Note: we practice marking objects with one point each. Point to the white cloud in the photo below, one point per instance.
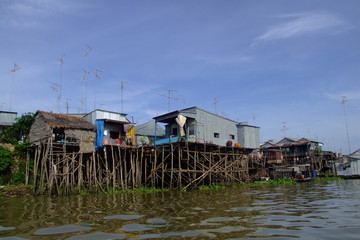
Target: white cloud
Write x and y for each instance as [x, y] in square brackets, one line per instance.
[303, 23]
[29, 13]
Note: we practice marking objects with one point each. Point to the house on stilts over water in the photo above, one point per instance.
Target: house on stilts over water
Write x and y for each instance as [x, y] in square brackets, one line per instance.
[62, 133]
[62, 145]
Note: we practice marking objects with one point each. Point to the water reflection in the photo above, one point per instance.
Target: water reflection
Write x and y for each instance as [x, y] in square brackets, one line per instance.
[323, 210]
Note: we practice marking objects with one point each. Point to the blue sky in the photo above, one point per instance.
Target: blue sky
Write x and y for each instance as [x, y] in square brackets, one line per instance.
[276, 64]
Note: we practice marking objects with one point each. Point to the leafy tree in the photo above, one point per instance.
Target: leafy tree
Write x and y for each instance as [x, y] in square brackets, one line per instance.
[19, 130]
[6, 160]
[318, 150]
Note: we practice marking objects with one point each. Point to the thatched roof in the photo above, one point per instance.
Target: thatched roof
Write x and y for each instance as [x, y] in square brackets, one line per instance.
[56, 120]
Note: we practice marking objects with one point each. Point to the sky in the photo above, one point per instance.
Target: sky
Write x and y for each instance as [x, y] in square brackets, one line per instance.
[290, 67]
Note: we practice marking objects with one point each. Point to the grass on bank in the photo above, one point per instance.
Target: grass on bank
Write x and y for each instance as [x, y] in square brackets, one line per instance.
[281, 181]
[211, 187]
[328, 178]
[21, 189]
[138, 190]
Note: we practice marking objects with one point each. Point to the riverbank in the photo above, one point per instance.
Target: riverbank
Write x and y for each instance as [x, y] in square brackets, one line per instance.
[26, 190]
[14, 190]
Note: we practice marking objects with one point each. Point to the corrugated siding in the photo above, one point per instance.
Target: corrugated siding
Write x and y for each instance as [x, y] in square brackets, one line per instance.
[343, 169]
[95, 115]
[355, 167]
[249, 137]
[208, 124]
[7, 119]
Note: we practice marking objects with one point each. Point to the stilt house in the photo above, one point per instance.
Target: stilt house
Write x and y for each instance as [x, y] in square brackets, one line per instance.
[291, 151]
[198, 125]
[348, 166]
[113, 128]
[62, 132]
[145, 133]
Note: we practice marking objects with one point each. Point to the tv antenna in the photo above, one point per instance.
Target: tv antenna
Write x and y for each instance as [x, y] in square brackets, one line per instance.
[122, 86]
[284, 128]
[343, 101]
[67, 105]
[13, 71]
[88, 50]
[61, 60]
[215, 102]
[86, 73]
[56, 87]
[170, 97]
[97, 73]
[85, 79]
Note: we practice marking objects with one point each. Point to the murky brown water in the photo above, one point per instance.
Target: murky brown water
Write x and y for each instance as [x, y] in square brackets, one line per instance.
[316, 210]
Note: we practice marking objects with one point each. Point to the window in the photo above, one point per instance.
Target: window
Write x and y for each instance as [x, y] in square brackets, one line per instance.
[216, 135]
[114, 135]
[232, 136]
[191, 130]
[59, 134]
[175, 131]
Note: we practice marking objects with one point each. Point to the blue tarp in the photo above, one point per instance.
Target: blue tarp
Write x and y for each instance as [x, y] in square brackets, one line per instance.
[99, 133]
[166, 140]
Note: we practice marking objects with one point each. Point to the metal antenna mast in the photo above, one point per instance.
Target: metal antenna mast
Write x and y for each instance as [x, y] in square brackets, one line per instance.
[88, 50]
[56, 87]
[61, 60]
[86, 72]
[343, 101]
[122, 86]
[97, 74]
[215, 102]
[84, 102]
[284, 128]
[67, 105]
[170, 97]
[16, 68]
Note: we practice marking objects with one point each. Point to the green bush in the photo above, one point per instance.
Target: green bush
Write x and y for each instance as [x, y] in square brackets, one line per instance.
[17, 178]
[6, 160]
[19, 130]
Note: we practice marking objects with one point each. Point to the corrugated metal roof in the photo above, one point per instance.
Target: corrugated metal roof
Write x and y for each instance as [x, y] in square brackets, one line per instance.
[148, 129]
[187, 112]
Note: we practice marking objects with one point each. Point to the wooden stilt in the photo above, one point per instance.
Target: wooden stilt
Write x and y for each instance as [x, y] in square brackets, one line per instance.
[80, 172]
[113, 169]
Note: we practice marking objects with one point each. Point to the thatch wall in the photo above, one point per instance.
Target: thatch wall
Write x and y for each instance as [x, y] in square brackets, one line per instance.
[77, 131]
[86, 139]
[39, 130]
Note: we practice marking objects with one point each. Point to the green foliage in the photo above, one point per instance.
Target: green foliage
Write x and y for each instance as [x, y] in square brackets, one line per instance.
[19, 130]
[280, 181]
[84, 192]
[318, 151]
[21, 149]
[6, 160]
[321, 179]
[13, 164]
[211, 187]
[139, 190]
[18, 178]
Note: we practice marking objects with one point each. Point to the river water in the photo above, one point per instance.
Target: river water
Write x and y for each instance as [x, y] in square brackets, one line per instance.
[312, 210]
